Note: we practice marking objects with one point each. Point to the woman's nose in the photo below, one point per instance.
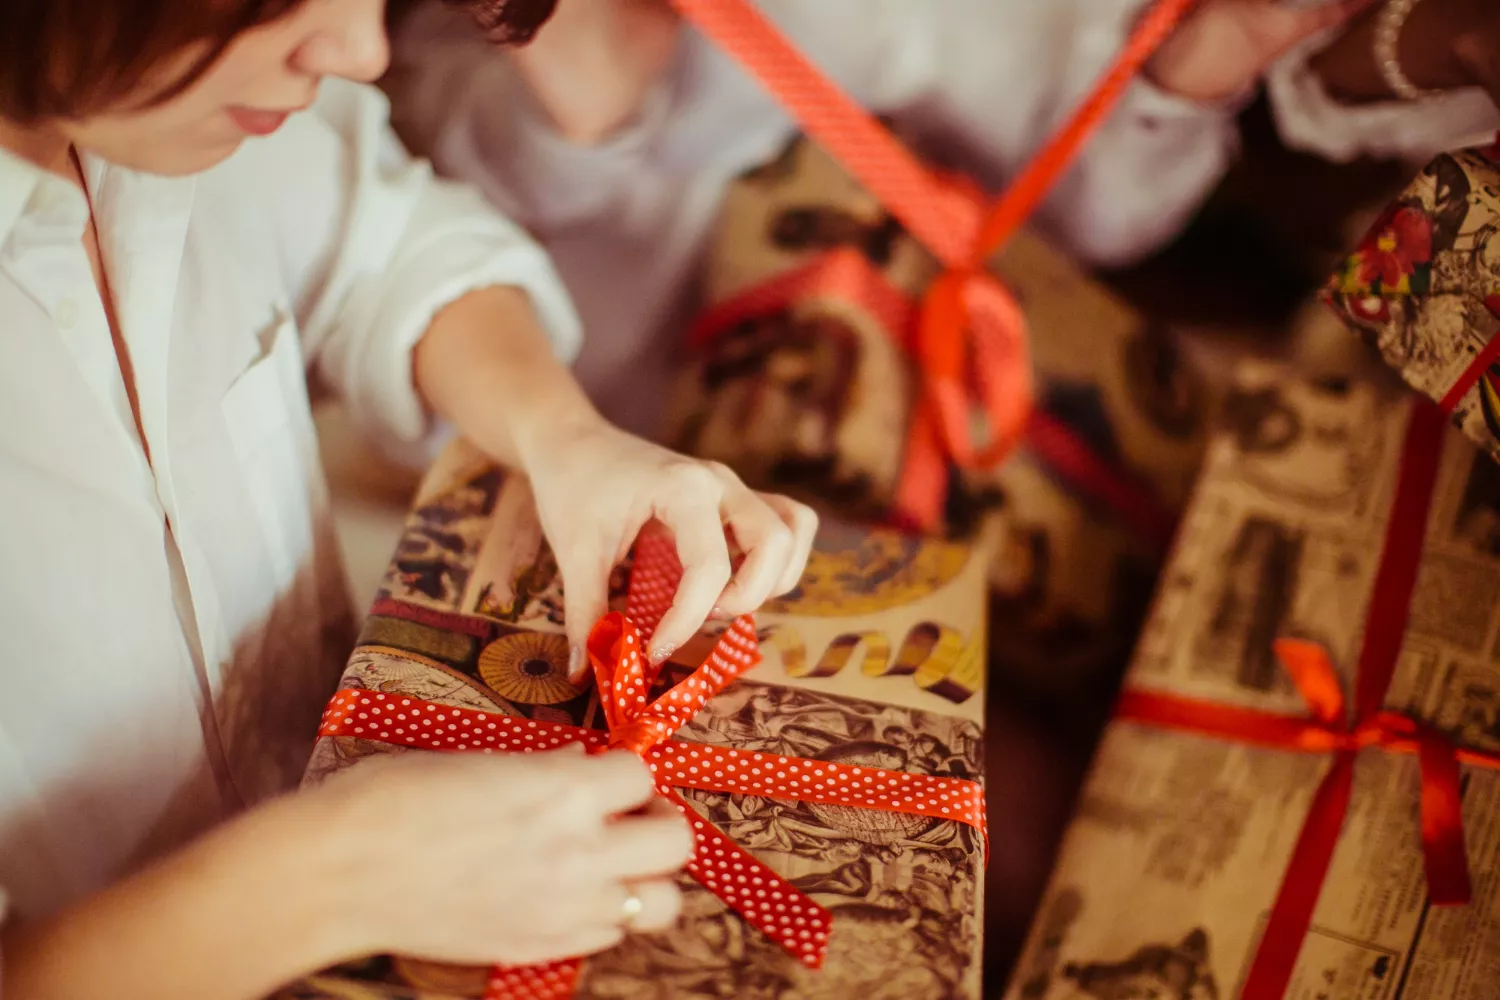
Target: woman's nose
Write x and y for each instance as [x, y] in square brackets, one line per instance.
[355, 47]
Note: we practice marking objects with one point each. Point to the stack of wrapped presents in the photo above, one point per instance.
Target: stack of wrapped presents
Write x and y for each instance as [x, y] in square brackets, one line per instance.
[1296, 797]
[1288, 589]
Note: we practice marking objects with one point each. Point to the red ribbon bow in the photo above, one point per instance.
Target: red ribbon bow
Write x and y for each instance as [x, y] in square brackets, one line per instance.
[969, 339]
[1332, 728]
[616, 648]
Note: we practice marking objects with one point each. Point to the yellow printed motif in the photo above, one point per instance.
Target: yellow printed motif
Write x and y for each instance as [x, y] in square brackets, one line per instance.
[854, 572]
[935, 657]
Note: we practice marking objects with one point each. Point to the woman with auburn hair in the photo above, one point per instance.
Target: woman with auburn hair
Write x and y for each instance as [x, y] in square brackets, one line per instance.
[201, 204]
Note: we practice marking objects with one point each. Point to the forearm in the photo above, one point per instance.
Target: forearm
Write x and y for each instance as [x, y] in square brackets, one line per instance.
[486, 365]
[232, 917]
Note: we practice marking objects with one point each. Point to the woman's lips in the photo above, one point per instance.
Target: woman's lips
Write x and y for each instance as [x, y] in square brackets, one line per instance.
[254, 122]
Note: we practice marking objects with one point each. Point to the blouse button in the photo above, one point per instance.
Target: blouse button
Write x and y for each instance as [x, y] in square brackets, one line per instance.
[66, 314]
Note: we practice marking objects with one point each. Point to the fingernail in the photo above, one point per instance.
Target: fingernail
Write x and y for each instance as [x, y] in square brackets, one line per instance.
[659, 654]
[717, 612]
[575, 664]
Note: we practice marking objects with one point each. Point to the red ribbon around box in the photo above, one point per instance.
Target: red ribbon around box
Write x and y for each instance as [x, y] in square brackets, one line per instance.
[1478, 370]
[616, 648]
[1333, 729]
[846, 275]
[967, 335]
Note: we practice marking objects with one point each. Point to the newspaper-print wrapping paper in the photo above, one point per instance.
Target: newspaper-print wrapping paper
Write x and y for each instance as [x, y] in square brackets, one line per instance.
[816, 398]
[1424, 288]
[877, 659]
[1168, 874]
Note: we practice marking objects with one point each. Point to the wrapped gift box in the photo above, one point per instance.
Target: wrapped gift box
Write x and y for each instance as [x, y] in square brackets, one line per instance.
[1167, 875]
[815, 397]
[1424, 288]
[876, 659]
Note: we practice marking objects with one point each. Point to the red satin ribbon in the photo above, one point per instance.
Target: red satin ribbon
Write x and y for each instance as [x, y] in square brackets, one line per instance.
[1332, 729]
[970, 339]
[846, 275]
[1481, 364]
[624, 676]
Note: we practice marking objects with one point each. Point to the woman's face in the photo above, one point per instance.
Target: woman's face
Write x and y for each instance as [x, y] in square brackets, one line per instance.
[264, 75]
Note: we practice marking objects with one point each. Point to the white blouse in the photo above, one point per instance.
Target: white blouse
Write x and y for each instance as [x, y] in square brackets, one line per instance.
[982, 82]
[170, 629]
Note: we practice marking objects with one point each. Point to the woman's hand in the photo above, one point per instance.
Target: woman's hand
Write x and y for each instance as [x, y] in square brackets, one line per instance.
[1224, 47]
[485, 365]
[596, 487]
[469, 858]
[509, 858]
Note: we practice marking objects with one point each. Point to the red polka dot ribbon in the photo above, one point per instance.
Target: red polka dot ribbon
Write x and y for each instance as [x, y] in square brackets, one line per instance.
[616, 648]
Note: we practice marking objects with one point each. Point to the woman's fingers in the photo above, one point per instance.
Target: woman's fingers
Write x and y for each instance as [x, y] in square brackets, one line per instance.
[646, 846]
[617, 782]
[645, 905]
[803, 523]
[769, 546]
[660, 904]
[585, 577]
[1311, 20]
[691, 513]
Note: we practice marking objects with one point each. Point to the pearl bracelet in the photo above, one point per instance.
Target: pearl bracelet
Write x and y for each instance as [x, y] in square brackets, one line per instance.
[1387, 37]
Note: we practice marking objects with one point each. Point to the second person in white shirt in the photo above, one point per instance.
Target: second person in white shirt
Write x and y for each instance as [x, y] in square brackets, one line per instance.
[613, 136]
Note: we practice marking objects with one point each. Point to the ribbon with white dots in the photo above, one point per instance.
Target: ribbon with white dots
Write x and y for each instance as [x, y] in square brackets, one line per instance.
[616, 648]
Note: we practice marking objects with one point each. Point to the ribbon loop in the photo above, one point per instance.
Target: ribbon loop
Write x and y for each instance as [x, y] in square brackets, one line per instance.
[1312, 672]
[617, 651]
[971, 348]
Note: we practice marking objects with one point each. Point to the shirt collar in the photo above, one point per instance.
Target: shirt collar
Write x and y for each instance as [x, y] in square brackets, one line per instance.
[27, 190]
[18, 179]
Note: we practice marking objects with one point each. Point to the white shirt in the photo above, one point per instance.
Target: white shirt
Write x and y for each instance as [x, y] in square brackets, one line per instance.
[982, 82]
[169, 630]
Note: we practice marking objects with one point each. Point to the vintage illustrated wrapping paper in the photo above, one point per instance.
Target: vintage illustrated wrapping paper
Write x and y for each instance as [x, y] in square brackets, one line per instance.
[1424, 288]
[815, 398]
[1169, 870]
[876, 659]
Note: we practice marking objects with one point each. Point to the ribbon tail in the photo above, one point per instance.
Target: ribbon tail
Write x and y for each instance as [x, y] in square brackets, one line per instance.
[552, 981]
[1070, 458]
[1291, 915]
[1443, 849]
[770, 903]
[922, 486]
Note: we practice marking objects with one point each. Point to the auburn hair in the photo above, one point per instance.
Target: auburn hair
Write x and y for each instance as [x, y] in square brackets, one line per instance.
[63, 59]
[72, 58]
[508, 22]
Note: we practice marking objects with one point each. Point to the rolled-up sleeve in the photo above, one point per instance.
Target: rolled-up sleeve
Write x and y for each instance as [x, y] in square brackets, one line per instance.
[1310, 120]
[400, 244]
